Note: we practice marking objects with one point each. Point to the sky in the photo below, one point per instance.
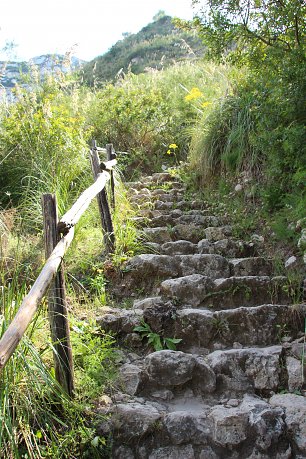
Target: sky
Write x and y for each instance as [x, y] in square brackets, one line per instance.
[88, 27]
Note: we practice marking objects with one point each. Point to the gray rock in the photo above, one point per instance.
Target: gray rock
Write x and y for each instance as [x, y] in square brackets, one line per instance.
[229, 426]
[160, 177]
[149, 265]
[188, 289]
[216, 233]
[133, 420]
[162, 220]
[123, 452]
[158, 235]
[295, 417]
[204, 376]
[148, 302]
[208, 453]
[161, 205]
[181, 427]
[291, 262]
[173, 452]
[178, 248]
[192, 233]
[267, 422]
[169, 368]
[130, 378]
[119, 320]
[295, 374]
[242, 369]
[205, 246]
[208, 265]
[252, 266]
[163, 394]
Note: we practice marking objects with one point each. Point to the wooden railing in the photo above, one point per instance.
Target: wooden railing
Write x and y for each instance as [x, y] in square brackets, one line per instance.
[58, 236]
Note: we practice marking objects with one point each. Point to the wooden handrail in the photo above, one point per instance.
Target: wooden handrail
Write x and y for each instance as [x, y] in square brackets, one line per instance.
[29, 305]
[70, 218]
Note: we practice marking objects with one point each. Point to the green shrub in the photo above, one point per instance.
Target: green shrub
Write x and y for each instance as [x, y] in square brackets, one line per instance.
[42, 145]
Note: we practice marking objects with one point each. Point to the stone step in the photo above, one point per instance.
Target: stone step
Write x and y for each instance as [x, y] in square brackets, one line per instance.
[145, 195]
[189, 428]
[201, 330]
[165, 374]
[162, 234]
[149, 270]
[182, 205]
[169, 220]
[262, 325]
[174, 213]
[197, 291]
[225, 247]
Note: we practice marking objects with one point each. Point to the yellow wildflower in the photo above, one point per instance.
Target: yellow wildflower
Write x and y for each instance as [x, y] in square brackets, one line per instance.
[194, 93]
[206, 104]
[173, 146]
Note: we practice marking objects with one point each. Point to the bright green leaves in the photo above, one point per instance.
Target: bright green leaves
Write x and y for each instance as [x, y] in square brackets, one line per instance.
[154, 339]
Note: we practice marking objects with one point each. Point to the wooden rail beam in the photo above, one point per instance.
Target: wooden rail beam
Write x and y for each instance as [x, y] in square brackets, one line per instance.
[30, 303]
[26, 311]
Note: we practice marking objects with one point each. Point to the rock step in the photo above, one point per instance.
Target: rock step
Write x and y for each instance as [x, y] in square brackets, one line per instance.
[262, 325]
[191, 232]
[197, 290]
[225, 247]
[165, 374]
[174, 213]
[191, 429]
[145, 194]
[201, 330]
[148, 270]
[168, 220]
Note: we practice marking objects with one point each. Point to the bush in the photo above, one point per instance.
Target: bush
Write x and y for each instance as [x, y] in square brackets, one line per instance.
[258, 129]
[144, 114]
[42, 145]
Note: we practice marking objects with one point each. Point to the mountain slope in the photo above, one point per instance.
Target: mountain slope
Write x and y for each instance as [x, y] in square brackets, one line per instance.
[11, 72]
[157, 45]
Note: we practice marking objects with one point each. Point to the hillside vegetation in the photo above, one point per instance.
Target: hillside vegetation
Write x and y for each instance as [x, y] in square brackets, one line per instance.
[236, 120]
[156, 46]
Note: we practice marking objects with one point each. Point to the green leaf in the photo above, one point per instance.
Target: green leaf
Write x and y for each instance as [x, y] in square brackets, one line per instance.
[95, 442]
[170, 343]
[154, 339]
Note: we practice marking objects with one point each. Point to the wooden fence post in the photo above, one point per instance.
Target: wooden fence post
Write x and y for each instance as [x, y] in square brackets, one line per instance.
[57, 307]
[111, 155]
[106, 219]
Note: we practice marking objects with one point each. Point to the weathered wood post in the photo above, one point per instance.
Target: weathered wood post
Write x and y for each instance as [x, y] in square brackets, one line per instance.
[111, 155]
[106, 219]
[57, 306]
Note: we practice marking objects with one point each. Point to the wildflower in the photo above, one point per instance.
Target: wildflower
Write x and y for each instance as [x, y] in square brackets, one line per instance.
[206, 104]
[173, 146]
[194, 93]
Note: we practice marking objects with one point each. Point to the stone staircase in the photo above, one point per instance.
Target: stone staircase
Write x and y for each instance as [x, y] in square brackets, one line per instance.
[233, 388]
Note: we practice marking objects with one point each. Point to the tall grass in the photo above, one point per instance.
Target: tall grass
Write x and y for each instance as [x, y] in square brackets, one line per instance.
[42, 145]
[144, 114]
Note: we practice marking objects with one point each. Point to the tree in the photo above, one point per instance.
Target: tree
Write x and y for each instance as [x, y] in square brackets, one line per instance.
[160, 14]
[251, 29]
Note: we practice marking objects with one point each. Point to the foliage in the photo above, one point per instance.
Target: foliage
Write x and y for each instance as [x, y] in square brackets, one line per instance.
[94, 358]
[258, 129]
[156, 46]
[37, 419]
[250, 31]
[43, 144]
[144, 114]
[155, 340]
